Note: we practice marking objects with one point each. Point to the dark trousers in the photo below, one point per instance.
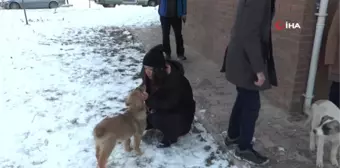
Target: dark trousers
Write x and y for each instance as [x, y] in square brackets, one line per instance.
[243, 117]
[171, 125]
[334, 93]
[176, 24]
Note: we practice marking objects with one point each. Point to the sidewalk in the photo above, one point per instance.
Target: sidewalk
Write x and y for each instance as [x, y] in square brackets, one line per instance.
[285, 141]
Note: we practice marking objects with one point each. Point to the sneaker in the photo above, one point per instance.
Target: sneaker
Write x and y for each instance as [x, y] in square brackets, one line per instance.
[165, 143]
[148, 136]
[251, 156]
[229, 142]
[181, 57]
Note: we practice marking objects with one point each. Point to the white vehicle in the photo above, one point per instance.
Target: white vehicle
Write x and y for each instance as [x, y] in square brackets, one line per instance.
[32, 4]
[113, 3]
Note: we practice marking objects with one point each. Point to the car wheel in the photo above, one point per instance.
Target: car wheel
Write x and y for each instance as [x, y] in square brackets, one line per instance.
[152, 3]
[14, 5]
[109, 5]
[53, 4]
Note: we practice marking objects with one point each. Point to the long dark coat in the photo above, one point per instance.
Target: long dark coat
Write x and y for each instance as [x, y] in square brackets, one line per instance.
[250, 47]
[332, 53]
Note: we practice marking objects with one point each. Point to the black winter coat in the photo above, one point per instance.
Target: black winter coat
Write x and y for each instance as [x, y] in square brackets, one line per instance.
[175, 96]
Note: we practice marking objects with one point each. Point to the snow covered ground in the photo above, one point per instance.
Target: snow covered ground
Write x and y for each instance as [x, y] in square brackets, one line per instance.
[65, 71]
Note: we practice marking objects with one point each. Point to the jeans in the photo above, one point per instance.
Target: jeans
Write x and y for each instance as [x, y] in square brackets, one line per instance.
[176, 24]
[244, 116]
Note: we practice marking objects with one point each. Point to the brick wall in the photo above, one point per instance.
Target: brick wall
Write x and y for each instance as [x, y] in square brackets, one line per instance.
[209, 24]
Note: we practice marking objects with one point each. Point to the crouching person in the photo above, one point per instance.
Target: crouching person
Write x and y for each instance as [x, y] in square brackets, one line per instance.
[170, 97]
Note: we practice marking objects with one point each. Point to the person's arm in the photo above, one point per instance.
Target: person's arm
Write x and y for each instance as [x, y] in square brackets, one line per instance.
[184, 6]
[254, 13]
[169, 102]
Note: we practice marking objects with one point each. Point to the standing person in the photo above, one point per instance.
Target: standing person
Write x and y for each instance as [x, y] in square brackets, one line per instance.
[250, 66]
[172, 14]
[332, 58]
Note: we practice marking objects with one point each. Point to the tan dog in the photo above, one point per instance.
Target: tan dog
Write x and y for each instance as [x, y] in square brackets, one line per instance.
[122, 127]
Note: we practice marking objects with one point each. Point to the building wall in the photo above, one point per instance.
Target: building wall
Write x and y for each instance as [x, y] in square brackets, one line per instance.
[209, 24]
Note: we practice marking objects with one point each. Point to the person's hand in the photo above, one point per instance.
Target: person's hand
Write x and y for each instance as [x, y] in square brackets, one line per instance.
[184, 18]
[145, 96]
[149, 110]
[260, 79]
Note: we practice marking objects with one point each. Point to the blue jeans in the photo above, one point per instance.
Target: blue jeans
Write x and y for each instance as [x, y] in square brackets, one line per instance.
[243, 117]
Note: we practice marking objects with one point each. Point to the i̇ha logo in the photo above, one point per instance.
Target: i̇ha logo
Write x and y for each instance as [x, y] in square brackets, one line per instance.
[280, 25]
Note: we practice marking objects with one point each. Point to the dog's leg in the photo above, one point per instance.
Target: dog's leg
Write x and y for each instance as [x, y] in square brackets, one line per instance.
[137, 140]
[334, 152]
[97, 152]
[106, 149]
[127, 145]
[312, 141]
[319, 152]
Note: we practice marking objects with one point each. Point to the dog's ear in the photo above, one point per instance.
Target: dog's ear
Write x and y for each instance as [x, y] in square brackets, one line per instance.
[127, 102]
[133, 100]
[335, 125]
[332, 127]
[129, 98]
[325, 118]
[141, 88]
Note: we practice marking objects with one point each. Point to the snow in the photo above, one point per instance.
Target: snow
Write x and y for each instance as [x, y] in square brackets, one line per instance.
[62, 74]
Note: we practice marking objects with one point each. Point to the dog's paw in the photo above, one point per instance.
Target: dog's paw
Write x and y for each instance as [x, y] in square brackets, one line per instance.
[319, 163]
[139, 152]
[128, 149]
[334, 162]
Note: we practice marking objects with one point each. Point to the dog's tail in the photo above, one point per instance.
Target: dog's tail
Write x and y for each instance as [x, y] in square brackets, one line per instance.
[99, 131]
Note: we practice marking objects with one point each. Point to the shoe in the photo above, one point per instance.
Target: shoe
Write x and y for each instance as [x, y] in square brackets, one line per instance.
[229, 142]
[251, 156]
[167, 56]
[165, 143]
[148, 136]
[181, 57]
